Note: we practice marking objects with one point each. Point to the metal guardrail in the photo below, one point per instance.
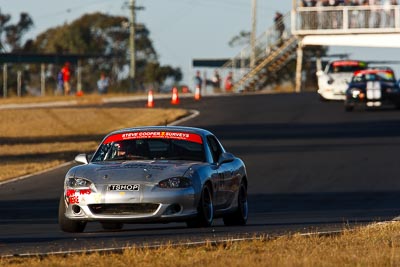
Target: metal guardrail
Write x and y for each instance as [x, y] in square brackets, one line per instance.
[346, 20]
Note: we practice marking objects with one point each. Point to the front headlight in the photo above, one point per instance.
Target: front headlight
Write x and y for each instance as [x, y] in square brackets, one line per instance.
[175, 182]
[77, 182]
[357, 93]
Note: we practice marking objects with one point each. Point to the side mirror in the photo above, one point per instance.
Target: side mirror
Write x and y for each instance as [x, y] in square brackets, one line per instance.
[82, 158]
[225, 158]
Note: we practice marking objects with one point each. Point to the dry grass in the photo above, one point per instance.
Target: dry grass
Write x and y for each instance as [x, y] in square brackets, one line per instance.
[86, 99]
[377, 245]
[35, 139]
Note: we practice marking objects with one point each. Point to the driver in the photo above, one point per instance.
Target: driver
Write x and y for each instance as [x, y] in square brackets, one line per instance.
[120, 149]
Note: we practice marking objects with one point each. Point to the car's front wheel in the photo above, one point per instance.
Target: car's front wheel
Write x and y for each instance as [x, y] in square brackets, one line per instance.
[239, 217]
[67, 225]
[205, 210]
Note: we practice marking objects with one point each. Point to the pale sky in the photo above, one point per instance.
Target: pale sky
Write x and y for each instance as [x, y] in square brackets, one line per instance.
[180, 29]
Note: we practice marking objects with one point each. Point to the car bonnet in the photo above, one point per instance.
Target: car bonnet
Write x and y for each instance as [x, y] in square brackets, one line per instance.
[138, 171]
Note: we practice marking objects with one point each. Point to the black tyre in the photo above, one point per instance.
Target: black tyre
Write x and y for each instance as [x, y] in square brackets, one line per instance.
[67, 225]
[240, 216]
[112, 226]
[205, 215]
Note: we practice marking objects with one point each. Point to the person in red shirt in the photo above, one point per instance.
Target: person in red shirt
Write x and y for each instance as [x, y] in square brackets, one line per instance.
[229, 82]
[66, 73]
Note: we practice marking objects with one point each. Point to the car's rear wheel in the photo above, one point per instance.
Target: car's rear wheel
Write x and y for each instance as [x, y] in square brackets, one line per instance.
[67, 225]
[205, 210]
[112, 226]
[239, 217]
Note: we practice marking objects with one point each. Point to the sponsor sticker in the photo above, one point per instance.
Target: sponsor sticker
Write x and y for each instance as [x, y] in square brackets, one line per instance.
[123, 187]
[153, 135]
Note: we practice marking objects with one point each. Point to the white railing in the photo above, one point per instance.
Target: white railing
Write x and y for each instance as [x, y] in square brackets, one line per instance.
[265, 44]
[346, 20]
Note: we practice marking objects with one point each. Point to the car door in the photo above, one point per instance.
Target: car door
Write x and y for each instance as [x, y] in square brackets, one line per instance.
[223, 174]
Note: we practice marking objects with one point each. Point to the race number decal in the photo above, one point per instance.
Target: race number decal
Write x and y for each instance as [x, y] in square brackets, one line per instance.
[374, 90]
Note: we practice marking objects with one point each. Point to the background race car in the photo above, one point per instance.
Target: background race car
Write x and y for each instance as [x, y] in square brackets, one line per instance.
[373, 88]
[333, 81]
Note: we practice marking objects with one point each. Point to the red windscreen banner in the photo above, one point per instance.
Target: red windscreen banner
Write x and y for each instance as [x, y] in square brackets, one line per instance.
[349, 63]
[191, 137]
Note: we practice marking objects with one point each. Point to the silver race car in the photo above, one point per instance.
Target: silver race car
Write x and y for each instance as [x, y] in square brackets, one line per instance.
[155, 174]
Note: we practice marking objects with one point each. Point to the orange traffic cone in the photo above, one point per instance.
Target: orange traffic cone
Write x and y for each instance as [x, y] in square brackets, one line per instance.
[175, 98]
[150, 99]
[197, 94]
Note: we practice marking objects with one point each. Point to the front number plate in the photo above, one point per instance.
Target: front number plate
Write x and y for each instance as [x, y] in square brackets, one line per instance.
[123, 187]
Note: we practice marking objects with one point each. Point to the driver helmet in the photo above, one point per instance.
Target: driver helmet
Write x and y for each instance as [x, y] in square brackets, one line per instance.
[120, 147]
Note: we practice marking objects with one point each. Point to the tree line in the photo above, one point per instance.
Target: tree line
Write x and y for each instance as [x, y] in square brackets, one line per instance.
[97, 34]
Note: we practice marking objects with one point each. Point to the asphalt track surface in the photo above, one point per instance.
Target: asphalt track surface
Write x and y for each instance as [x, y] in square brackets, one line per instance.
[311, 167]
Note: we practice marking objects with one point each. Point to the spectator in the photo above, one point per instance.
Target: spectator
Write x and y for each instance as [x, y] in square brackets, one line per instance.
[375, 14]
[229, 82]
[313, 16]
[102, 84]
[198, 81]
[354, 14]
[334, 15]
[60, 83]
[389, 12]
[323, 19]
[366, 13]
[304, 16]
[66, 73]
[216, 80]
[279, 26]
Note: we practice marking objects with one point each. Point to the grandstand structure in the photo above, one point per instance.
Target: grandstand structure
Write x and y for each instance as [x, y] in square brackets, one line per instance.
[360, 26]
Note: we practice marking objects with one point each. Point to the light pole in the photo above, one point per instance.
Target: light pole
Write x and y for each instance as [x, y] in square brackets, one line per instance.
[253, 33]
[132, 49]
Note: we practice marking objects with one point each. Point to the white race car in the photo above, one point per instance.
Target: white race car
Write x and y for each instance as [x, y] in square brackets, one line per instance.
[333, 81]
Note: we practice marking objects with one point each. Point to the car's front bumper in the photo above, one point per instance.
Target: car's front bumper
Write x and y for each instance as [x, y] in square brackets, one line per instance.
[385, 100]
[330, 94]
[146, 205]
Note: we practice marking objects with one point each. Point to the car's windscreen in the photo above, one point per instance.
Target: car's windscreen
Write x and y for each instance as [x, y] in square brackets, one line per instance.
[338, 67]
[378, 76]
[151, 145]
